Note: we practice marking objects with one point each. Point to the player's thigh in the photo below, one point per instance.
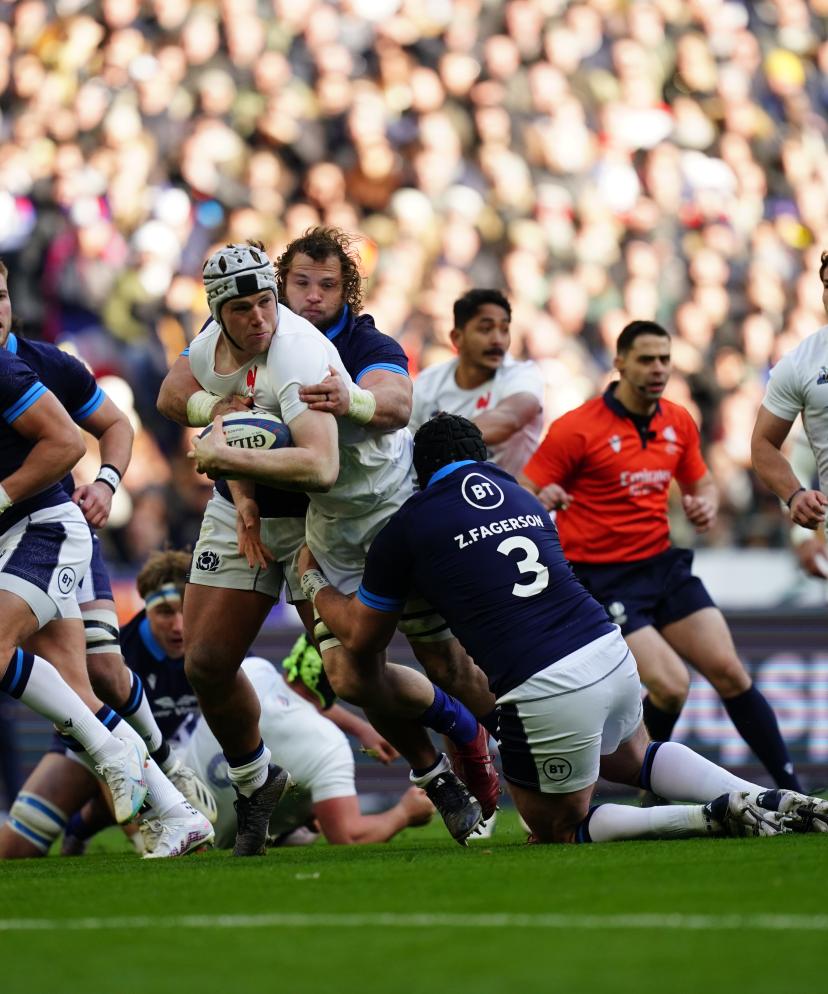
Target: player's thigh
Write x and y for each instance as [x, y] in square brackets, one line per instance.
[221, 622]
[552, 817]
[661, 670]
[623, 765]
[63, 643]
[338, 818]
[704, 640]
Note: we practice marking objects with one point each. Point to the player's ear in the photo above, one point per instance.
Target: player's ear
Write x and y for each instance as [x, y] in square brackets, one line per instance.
[618, 362]
[456, 337]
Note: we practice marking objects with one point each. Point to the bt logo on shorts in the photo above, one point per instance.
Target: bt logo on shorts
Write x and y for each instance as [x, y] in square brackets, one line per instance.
[208, 561]
[481, 493]
[66, 580]
[557, 769]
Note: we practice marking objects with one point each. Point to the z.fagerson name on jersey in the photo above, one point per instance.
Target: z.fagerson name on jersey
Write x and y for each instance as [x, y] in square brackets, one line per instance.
[498, 528]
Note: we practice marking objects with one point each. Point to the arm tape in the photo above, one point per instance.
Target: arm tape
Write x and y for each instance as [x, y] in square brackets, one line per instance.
[200, 408]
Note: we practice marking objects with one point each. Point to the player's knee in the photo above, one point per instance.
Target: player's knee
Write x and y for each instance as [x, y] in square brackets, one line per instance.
[668, 691]
[103, 637]
[207, 670]
[347, 683]
[728, 677]
[36, 821]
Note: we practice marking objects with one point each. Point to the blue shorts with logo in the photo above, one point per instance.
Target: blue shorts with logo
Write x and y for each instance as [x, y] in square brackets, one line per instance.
[655, 591]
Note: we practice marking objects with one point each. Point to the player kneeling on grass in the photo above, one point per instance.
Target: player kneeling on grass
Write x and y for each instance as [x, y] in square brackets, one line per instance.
[566, 683]
[316, 752]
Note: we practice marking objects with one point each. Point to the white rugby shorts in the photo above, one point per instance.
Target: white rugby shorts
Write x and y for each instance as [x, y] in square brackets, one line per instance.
[555, 726]
[43, 559]
[217, 561]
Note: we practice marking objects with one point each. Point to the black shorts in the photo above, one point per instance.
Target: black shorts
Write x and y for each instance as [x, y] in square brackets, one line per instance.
[655, 591]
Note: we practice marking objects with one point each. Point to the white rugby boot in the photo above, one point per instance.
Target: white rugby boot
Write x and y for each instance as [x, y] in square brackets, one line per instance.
[195, 791]
[168, 836]
[803, 813]
[124, 775]
[734, 814]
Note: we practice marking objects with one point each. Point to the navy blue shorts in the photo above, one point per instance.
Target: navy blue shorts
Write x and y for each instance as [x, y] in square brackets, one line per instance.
[95, 586]
[655, 591]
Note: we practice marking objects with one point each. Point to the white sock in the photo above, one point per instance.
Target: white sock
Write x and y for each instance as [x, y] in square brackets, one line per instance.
[248, 778]
[679, 774]
[443, 766]
[614, 822]
[163, 795]
[47, 693]
[141, 717]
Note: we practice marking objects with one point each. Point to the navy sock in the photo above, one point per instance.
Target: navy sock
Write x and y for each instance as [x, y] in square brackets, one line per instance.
[136, 695]
[491, 723]
[756, 723]
[77, 826]
[162, 753]
[249, 757]
[647, 766]
[107, 717]
[659, 723]
[449, 717]
[17, 673]
[582, 831]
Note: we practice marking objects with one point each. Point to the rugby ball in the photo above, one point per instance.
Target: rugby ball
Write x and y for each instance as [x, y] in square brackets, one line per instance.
[253, 430]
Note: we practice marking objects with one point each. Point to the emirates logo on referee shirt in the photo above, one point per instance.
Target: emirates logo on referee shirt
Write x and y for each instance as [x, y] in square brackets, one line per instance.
[615, 443]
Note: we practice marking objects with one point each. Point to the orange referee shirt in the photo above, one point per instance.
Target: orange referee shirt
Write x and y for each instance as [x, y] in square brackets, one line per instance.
[618, 467]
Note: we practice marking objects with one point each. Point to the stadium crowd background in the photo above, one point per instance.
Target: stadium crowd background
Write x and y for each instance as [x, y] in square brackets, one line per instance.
[598, 160]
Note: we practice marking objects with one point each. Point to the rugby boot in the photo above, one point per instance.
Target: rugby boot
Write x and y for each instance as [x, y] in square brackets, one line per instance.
[458, 809]
[124, 775]
[472, 762]
[195, 792]
[734, 814]
[254, 812]
[167, 837]
[803, 813]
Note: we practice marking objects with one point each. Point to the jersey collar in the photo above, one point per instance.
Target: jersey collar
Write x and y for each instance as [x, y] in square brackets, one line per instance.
[11, 343]
[449, 468]
[342, 321]
[641, 421]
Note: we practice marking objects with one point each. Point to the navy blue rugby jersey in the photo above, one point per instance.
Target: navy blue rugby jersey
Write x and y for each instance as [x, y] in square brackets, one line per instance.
[68, 379]
[363, 348]
[171, 698]
[485, 553]
[19, 389]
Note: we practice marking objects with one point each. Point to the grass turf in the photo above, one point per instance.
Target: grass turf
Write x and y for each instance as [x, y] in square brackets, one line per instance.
[422, 872]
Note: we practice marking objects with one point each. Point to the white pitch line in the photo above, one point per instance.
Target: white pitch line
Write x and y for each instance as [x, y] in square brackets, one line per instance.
[648, 922]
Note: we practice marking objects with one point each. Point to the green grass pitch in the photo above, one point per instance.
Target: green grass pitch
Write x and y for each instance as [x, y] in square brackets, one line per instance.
[423, 915]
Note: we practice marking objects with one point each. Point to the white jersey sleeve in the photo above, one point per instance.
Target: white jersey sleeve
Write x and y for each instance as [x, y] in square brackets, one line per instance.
[291, 367]
[785, 396]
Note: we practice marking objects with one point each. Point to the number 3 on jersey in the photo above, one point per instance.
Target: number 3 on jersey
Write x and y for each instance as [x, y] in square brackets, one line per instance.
[529, 564]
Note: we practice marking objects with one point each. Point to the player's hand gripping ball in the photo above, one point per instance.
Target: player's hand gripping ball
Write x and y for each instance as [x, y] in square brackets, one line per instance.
[256, 430]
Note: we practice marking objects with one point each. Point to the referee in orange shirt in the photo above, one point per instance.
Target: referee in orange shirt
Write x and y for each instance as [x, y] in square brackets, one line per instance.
[606, 468]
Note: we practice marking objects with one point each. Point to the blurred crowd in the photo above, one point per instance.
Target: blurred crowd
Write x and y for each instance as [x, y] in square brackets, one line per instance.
[599, 160]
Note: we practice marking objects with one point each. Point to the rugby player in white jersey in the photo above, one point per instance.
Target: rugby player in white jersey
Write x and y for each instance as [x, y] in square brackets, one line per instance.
[504, 397]
[798, 385]
[355, 477]
[316, 752]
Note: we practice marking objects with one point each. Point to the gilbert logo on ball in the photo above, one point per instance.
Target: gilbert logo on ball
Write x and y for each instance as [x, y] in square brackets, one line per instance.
[253, 430]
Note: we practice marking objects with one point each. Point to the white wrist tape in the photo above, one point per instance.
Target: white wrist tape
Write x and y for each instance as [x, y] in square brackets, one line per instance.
[5, 501]
[109, 475]
[363, 405]
[311, 583]
[200, 408]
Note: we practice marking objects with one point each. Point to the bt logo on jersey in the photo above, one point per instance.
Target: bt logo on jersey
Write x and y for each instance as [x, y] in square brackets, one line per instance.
[481, 492]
